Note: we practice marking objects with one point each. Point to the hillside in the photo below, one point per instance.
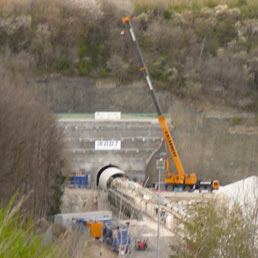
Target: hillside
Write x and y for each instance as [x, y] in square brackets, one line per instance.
[212, 143]
[203, 58]
[199, 51]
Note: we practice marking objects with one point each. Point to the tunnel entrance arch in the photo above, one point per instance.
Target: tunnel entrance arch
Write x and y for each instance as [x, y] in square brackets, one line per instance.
[103, 169]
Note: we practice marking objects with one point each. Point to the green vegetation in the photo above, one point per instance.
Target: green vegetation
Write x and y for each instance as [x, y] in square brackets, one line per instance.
[18, 239]
[181, 5]
[236, 120]
[216, 230]
[196, 49]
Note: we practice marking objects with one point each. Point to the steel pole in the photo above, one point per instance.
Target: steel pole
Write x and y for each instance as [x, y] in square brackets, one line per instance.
[158, 234]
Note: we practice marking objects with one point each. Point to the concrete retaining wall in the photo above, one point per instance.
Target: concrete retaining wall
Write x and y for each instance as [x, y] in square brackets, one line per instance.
[138, 141]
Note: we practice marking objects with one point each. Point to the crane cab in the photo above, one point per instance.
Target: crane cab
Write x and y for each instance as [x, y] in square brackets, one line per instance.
[215, 184]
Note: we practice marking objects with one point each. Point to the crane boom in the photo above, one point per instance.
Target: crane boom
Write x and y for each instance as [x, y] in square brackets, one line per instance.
[167, 135]
[172, 181]
[127, 21]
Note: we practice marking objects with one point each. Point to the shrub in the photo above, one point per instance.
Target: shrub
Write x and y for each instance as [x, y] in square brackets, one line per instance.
[18, 239]
[84, 67]
[82, 38]
[241, 2]
[225, 31]
[215, 230]
[224, 77]
[167, 13]
[119, 68]
[104, 72]
[250, 10]
[64, 65]
[236, 120]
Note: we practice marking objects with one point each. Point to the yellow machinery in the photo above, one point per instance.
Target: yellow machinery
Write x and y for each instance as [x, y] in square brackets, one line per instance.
[180, 180]
[96, 229]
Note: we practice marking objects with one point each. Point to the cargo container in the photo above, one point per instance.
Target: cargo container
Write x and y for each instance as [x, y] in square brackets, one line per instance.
[81, 181]
[96, 229]
[68, 220]
[117, 236]
[85, 220]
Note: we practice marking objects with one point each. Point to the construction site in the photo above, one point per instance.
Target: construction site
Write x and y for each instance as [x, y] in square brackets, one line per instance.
[129, 128]
[116, 185]
[128, 194]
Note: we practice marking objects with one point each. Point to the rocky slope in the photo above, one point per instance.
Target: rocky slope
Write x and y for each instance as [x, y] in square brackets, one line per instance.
[212, 145]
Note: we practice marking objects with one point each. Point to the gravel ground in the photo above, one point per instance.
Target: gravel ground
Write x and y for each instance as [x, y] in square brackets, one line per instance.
[82, 200]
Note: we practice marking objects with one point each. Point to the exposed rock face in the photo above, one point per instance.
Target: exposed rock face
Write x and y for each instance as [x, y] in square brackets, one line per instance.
[209, 145]
[207, 142]
[138, 140]
[84, 96]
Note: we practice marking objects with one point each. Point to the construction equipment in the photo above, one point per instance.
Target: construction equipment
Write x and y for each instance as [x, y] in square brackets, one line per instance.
[96, 229]
[124, 204]
[173, 181]
[141, 245]
[117, 236]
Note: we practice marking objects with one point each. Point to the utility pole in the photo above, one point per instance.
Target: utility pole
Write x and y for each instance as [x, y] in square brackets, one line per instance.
[160, 165]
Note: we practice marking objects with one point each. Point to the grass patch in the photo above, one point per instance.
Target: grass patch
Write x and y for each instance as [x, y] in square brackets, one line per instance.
[18, 239]
[64, 65]
[189, 4]
[236, 120]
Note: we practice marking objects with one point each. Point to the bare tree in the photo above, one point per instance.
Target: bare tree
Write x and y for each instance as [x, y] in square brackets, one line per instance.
[31, 158]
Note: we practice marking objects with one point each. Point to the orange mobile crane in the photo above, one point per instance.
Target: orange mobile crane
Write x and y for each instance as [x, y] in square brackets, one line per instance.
[179, 180]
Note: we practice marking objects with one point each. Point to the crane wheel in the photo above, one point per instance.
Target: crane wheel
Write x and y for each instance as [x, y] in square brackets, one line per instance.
[170, 188]
[209, 188]
[188, 188]
[202, 188]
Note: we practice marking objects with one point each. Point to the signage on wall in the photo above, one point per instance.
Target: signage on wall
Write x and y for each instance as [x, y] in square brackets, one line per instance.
[107, 115]
[108, 145]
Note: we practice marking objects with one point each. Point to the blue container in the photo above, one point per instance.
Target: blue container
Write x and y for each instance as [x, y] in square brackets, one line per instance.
[97, 219]
[81, 181]
[117, 235]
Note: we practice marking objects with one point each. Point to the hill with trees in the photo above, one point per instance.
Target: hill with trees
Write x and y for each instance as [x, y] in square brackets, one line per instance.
[203, 51]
